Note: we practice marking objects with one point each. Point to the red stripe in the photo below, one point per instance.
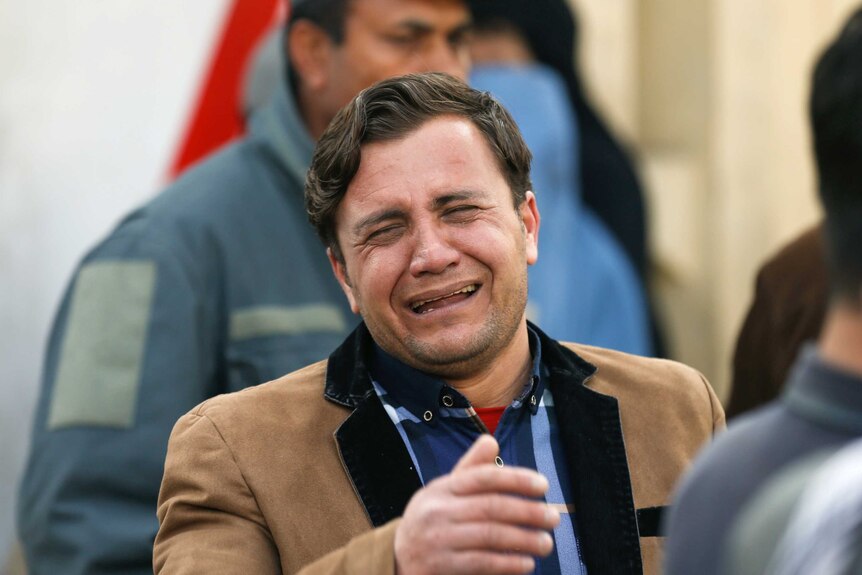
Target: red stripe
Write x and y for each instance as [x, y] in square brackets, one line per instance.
[216, 118]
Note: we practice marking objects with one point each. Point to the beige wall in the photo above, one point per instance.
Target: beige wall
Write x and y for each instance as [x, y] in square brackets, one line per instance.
[712, 95]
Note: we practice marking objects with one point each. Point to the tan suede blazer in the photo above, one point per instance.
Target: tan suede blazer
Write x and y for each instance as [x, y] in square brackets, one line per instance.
[278, 479]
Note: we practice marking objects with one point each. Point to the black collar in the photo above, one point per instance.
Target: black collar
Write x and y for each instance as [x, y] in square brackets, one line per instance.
[418, 391]
[348, 379]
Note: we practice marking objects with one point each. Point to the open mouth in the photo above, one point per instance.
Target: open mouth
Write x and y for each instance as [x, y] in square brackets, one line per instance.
[429, 305]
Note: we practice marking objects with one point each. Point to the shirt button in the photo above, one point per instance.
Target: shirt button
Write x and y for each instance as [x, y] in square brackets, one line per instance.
[427, 416]
[499, 461]
[448, 401]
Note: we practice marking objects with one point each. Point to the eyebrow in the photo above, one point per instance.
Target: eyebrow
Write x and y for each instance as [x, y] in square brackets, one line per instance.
[422, 27]
[416, 26]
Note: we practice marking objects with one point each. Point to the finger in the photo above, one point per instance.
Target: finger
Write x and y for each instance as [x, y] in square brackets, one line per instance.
[489, 536]
[483, 450]
[504, 509]
[483, 563]
[489, 478]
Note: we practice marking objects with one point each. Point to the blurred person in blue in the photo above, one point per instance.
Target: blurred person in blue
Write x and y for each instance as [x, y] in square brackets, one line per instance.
[583, 288]
[217, 284]
[821, 405]
[607, 183]
[610, 184]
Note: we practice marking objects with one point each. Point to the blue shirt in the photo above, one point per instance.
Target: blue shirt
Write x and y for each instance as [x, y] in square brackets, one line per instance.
[438, 425]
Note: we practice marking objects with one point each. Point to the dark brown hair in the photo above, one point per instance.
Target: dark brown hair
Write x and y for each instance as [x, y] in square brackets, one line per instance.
[330, 15]
[836, 118]
[392, 109]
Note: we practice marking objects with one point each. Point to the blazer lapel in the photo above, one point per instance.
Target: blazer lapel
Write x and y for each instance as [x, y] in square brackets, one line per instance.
[604, 507]
[377, 461]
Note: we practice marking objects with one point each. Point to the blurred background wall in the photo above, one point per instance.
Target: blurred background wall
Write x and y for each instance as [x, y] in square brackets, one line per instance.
[709, 94]
[712, 96]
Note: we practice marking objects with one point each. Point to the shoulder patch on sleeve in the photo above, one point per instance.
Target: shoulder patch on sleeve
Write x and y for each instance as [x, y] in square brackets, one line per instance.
[98, 372]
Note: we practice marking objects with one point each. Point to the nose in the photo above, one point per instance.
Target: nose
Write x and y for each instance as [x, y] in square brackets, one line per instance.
[444, 56]
[432, 253]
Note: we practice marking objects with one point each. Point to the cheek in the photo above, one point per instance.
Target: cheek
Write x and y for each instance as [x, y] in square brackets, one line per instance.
[380, 272]
[492, 242]
[501, 252]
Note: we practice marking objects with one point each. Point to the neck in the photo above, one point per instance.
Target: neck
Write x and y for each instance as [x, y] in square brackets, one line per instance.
[840, 341]
[500, 382]
[312, 116]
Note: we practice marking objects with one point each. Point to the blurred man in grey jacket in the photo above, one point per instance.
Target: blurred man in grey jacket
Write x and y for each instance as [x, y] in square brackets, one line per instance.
[217, 284]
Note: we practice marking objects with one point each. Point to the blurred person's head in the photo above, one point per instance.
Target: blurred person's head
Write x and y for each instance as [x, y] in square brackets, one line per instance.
[547, 29]
[836, 115]
[338, 47]
[499, 41]
[390, 111]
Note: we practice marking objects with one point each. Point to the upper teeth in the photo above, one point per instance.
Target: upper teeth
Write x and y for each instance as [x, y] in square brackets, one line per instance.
[468, 289]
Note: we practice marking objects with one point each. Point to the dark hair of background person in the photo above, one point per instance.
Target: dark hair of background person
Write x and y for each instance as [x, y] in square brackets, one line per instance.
[391, 109]
[836, 117]
[609, 183]
[329, 15]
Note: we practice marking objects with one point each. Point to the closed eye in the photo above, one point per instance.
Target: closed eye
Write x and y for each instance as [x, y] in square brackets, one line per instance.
[384, 234]
[404, 40]
[461, 213]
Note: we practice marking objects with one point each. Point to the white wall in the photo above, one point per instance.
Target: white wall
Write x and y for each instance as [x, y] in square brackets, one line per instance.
[93, 96]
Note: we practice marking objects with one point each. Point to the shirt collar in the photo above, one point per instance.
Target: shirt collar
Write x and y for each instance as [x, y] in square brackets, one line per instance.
[824, 393]
[419, 392]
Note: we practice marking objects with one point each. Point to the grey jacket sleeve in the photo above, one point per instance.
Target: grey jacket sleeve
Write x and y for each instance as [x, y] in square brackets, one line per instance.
[131, 349]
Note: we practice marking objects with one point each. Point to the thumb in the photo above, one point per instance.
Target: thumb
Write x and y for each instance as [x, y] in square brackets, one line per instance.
[483, 451]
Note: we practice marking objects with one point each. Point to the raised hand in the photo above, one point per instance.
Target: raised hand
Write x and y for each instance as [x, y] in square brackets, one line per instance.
[476, 519]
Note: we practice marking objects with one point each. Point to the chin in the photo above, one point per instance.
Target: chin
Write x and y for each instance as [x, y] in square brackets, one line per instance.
[451, 355]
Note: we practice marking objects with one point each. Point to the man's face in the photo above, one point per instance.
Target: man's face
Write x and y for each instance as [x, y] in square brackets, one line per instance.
[435, 254]
[386, 38]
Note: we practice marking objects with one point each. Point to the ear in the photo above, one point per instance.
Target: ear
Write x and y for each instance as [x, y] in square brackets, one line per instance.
[341, 275]
[530, 219]
[310, 49]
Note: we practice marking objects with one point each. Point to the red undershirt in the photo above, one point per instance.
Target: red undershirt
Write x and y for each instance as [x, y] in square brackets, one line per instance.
[490, 416]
